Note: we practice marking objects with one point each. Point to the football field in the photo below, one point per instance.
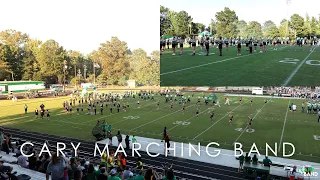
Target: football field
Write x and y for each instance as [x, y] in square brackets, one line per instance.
[272, 122]
[286, 66]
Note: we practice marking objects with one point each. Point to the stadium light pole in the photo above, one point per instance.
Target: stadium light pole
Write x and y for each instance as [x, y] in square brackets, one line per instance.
[85, 71]
[79, 75]
[64, 73]
[94, 72]
[75, 71]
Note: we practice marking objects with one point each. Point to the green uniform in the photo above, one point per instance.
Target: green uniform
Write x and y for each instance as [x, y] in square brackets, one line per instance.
[139, 177]
[113, 178]
[109, 128]
[104, 127]
[133, 140]
[165, 178]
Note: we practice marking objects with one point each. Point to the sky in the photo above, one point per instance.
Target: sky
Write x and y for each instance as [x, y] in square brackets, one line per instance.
[249, 10]
[83, 24]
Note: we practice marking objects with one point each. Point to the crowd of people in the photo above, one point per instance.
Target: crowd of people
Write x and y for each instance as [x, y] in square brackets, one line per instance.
[298, 92]
[251, 43]
[70, 166]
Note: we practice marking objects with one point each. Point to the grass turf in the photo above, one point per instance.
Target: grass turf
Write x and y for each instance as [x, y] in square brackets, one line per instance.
[271, 121]
[257, 69]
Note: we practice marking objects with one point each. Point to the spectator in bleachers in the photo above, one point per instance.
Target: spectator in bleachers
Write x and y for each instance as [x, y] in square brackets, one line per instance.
[267, 162]
[81, 167]
[113, 175]
[44, 163]
[33, 161]
[23, 161]
[241, 160]
[1, 140]
[169, 175]
[247, 159]
[4, 169]
[139, 164]
[139, 176]
[56, 168]
[91, 173]
[254, 159]
[103, 174]
[7, 144]
[73, 164]
[77, 175]
[150, 175]
[110, 160]
[131, 176]
[126, 173]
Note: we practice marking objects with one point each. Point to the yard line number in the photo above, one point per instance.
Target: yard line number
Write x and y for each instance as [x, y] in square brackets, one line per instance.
[311, 62]
[131, 117]
[182, 123]
[247, 130]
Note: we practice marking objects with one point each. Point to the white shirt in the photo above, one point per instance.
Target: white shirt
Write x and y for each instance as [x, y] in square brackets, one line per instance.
[23, 161]
[319, 113]
[294, 107]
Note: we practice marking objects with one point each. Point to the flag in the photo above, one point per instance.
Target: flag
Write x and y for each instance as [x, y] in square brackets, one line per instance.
[96, 65]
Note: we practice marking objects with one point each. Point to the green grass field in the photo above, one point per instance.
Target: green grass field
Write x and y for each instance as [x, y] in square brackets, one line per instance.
[287, 66]
[272, 122]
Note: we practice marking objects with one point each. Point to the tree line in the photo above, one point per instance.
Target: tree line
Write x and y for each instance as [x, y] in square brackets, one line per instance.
[24, 58]
[226, 23]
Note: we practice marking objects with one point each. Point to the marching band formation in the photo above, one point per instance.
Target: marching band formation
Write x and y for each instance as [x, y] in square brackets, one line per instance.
[251, 43]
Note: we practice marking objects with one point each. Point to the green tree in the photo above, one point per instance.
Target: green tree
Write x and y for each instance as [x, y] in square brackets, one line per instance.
[31, 66]
[268, 28]
[50, 59]
[226, 21]
[213, 27]
[164, 20]
[315, 28]
[113, 57]
[297, 23]
[200, 27]
[179, 23]
[307, 27]
[254, 29]
[242, 29]
[13, 52]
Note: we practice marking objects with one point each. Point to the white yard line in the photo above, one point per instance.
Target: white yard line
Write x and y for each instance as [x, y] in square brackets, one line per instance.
[206, 64]
[284, 124]
[252, 119]
[158, 119]
[294, 72]
[218, 121]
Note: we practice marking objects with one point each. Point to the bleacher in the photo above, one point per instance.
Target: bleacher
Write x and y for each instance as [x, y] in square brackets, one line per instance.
[10, 161]
[183, 168]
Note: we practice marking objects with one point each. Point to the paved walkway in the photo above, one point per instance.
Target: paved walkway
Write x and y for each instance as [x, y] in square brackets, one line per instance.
[35, 175]
[225, 158]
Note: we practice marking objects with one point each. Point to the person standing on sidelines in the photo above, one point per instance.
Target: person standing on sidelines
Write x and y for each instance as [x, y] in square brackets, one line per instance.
[133, 140]
[220, 42]
[227, 101]
[36, 113]
[239, 46]
[164, 133]
[25, 109]
[194, 45]
[167, 143]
